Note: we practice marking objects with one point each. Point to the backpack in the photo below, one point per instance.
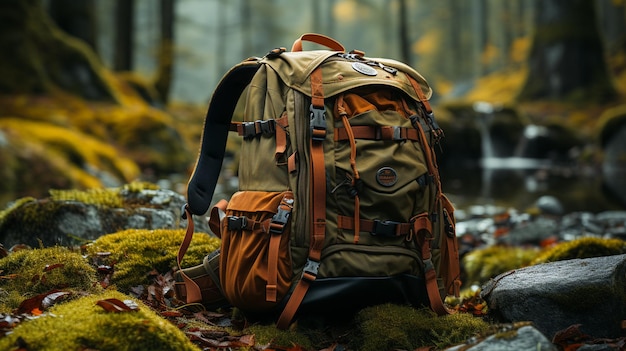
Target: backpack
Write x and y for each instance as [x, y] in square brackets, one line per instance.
[339, 202]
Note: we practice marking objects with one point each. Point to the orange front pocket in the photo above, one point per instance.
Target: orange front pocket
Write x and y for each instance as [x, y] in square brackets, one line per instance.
[255, 263]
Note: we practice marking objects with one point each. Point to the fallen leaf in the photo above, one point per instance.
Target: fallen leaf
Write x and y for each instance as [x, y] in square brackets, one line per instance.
[50, 267]
[115, 305]
[40, 302]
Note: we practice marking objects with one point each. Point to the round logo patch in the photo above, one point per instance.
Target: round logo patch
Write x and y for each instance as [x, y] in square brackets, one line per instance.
[364, 69]
[387, 176]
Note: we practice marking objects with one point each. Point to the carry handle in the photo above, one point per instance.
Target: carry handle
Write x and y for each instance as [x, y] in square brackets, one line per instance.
[317, 39]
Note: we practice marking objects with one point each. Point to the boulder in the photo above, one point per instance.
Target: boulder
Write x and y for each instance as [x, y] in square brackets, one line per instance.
[523, 338]
[553, 296]
[55, 221]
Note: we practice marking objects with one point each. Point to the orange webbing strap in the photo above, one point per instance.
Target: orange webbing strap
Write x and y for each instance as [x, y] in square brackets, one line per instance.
[376, 227]
[422, 228]
[318, 39]
[215, 218]
[193, 290]
[318, 202]
[276, 228]
[450, 252]
[341, 112]
[430, 273]
[378, 133]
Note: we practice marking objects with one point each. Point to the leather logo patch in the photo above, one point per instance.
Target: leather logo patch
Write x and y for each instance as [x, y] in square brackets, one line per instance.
[364, 69]
[387, 176]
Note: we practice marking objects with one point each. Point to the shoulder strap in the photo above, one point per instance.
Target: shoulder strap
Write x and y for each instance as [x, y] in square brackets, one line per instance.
[216, 126]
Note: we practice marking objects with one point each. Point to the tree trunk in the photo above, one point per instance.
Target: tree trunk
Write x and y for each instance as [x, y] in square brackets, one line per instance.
[123, 59]
[76, 18]
[403, 27]
[166, 50]
[43, 58]
[566, 61]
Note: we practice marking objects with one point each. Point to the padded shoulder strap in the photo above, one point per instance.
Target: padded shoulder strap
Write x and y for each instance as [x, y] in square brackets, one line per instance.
[216, 126]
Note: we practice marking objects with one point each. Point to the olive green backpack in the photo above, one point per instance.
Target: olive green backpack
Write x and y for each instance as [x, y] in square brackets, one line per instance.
[339, 202]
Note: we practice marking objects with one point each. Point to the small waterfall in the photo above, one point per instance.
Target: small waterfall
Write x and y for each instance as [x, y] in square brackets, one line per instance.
[494, 159]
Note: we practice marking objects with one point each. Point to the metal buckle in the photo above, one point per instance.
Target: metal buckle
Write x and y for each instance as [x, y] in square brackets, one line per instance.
[397, 133]
[384, 228]
[237, 223]
[318, 123]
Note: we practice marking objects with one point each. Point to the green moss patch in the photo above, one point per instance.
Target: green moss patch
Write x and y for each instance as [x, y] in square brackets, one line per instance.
[26, 273]
[388, 327]
[82, 324]
[582, 248]
[137, 252]
[482, 264]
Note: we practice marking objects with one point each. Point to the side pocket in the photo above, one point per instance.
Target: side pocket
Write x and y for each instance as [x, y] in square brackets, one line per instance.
[205, 276]
[255, 263]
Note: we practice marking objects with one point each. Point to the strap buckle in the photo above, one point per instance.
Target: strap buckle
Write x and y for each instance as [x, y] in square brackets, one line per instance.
[277, 224]
[318, 123]
[310, 269]
[237, 223]
[384, 228]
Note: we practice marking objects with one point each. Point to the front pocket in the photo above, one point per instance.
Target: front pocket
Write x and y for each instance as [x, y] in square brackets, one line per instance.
[255, 263]
[348, 260]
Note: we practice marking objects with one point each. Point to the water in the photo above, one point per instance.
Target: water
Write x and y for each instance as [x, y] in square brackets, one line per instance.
[513, 179]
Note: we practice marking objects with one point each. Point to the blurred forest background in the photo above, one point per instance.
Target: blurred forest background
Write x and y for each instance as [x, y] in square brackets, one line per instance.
[531, 94]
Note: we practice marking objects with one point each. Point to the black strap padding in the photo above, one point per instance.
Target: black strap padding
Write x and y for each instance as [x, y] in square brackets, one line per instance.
[216, 126]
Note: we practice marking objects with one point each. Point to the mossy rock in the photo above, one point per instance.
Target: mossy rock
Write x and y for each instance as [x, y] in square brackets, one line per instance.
[81, 324]
[72, 217]
[135, 253]
[482, 264]
[587, 247]
[27, 273]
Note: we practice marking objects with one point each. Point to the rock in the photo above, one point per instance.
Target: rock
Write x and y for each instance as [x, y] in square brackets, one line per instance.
[549, 205]
[519, 339]
[553, 296]
[71, 222]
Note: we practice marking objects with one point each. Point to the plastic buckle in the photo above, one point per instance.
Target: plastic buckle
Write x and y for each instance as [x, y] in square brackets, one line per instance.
[390, 70]
[279, 220]
[310, 268]
[267, 127]
[249, 130]
[237, 223]
[384, 228]
[428, 265]
[318, 123]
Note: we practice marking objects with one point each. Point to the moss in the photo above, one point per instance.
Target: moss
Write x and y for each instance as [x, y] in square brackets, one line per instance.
[136, 252]
[388, 327]
[100, 197]
[270, 335]
[15, 204]
[582, 248]
[32, 272]
[82, 150]
[610, 122]
[81, 324]
[482, 264]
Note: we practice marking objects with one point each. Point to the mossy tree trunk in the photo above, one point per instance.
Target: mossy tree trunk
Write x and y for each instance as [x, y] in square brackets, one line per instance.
[567, 58]
[76, 18]
[37, 57]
